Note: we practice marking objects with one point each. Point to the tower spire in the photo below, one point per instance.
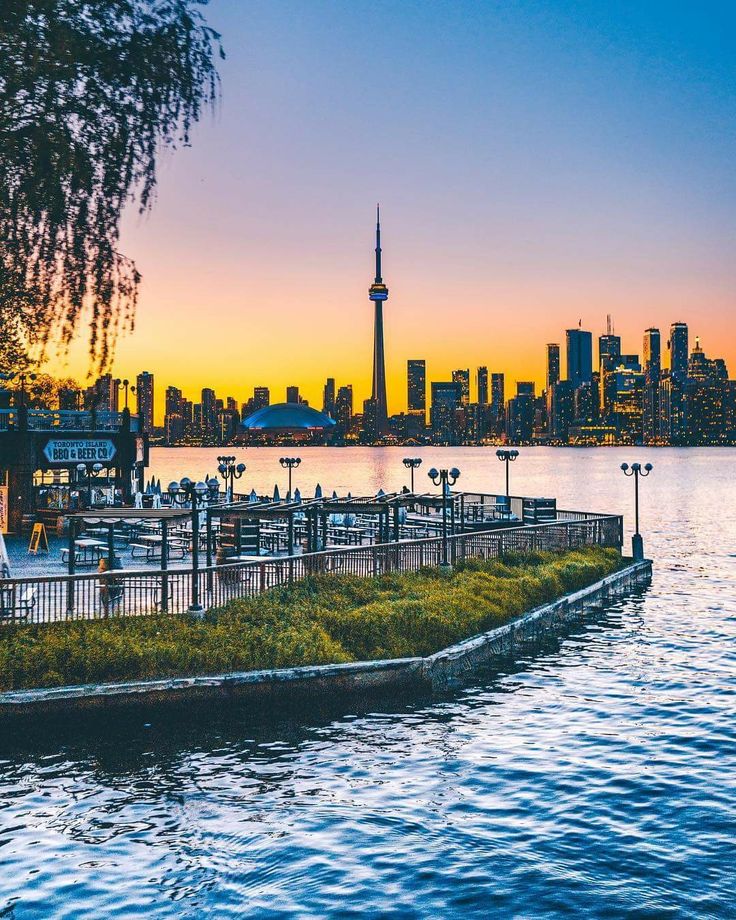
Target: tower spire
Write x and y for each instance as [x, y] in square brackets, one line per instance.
[379, 279]
[378, 293]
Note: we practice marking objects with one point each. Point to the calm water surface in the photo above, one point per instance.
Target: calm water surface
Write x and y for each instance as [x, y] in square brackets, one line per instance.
[597, 779]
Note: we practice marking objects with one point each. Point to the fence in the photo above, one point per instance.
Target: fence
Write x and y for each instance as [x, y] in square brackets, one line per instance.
[48, 599]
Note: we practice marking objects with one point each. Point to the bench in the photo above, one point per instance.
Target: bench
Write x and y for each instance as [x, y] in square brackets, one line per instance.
[16, 603]
[77, 556]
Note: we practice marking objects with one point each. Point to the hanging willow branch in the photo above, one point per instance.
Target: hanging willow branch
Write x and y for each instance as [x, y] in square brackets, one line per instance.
[90, 91]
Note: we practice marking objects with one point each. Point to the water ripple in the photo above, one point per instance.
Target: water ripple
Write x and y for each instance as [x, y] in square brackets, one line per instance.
[595, 777]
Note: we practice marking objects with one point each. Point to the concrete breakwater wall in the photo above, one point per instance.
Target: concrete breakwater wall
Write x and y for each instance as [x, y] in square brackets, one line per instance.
[441, 671]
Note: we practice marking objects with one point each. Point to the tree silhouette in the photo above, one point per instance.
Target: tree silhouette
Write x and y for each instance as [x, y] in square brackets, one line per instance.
[90, 92]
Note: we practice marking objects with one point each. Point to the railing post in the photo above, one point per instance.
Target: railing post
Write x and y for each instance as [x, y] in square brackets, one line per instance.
[164, 565]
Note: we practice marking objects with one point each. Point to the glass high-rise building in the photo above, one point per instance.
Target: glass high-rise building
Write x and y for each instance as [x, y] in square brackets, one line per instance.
[328, 397]
[462, 377]
[144, 394]
[482, 379]
[678, 346]
[446, 400]
[416, 375]
[579, 356]
[652, 355]
[553, 365]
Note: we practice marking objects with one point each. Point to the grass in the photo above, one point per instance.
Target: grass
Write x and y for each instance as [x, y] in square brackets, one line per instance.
[320, 620]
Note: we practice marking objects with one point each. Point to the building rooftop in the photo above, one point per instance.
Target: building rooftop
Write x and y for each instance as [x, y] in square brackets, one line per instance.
[287, 417]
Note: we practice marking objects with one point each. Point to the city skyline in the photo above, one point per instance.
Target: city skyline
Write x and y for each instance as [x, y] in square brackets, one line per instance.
[596, 178]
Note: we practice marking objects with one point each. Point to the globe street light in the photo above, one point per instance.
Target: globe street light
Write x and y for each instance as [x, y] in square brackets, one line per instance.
[507, 456]
[447, 478]
[91, 469]
[230, 472]
[196, 495]
[636, 470]
[290, 463]
[412, 463]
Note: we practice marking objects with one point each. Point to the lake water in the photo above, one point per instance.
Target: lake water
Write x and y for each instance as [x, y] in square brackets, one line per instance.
[597, 779]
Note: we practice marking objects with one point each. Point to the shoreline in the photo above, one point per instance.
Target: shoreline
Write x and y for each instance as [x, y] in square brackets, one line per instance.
[444, 670]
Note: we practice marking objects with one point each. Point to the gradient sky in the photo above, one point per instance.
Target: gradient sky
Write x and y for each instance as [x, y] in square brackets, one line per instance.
[536, 163]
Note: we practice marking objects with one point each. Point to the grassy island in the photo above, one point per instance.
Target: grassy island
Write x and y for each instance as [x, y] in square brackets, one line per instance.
[320, 620]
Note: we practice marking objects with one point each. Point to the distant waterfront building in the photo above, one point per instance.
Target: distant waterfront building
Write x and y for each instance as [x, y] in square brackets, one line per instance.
[344, 408]
[520, 414]
[377, 294]
[462, 377]
[328, 397]
[446, 401]
[678, 348]
[553, 365]
[579, 356]
[560, 410]
[482, 382]
[144, 394]
[292, 395]
[208, 413]
[174, 420]
[652, 355]
[261, 398]
[416, 375]
[498, 402]
[652, 366]
[609, 345]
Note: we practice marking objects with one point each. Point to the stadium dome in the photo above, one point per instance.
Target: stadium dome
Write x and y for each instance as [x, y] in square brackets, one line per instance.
[288, 417]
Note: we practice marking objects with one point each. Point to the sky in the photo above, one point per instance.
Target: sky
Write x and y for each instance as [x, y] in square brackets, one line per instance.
[537, 164]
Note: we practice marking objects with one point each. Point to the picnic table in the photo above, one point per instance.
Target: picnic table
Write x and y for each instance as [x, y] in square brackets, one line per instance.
[87, 551]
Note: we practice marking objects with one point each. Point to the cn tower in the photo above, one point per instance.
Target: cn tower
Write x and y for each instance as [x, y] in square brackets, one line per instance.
[378, 292]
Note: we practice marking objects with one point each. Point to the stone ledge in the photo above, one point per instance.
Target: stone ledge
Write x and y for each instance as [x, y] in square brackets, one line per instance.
[442, 670]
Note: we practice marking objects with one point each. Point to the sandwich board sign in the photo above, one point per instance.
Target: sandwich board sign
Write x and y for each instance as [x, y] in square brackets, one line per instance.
[39, 540]
[87, 450]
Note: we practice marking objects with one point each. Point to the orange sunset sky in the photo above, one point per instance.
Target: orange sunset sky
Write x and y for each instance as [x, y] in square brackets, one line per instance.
[536, 165]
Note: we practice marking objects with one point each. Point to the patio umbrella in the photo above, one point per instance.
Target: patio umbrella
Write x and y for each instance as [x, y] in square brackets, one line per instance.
[297, 496]
[252, 498]
[276, 494]
[380, 493]
[334, 495]
[318, 491]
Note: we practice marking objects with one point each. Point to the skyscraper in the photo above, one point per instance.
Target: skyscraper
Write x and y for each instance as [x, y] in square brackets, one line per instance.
[652, 356]
[377, 293]
[609, 347]
[579, 356]
[446, 400]
[678, 346]
[144, 392]
[328, 397]
[553, 365]
[292, 395]
[482, 379]
[416, 374]
[498, 401]
[463, 378]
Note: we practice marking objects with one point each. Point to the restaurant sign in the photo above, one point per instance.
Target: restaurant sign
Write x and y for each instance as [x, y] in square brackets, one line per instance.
[65, 450]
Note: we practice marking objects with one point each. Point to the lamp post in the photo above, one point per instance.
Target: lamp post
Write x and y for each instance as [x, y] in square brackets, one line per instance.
[230, 472]
[507, 456]
[636, 470]
[447, 478]
[412, 463]
[91, 469]
[126, 387]
[290, 463]
[196, 495]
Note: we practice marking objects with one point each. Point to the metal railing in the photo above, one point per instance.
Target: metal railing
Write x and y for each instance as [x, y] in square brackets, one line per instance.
[49, 599]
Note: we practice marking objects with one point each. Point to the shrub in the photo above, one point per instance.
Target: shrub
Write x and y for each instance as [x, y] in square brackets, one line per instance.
[322, 619]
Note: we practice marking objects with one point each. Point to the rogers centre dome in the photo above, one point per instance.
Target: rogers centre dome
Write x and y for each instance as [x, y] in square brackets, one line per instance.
[293, 420]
